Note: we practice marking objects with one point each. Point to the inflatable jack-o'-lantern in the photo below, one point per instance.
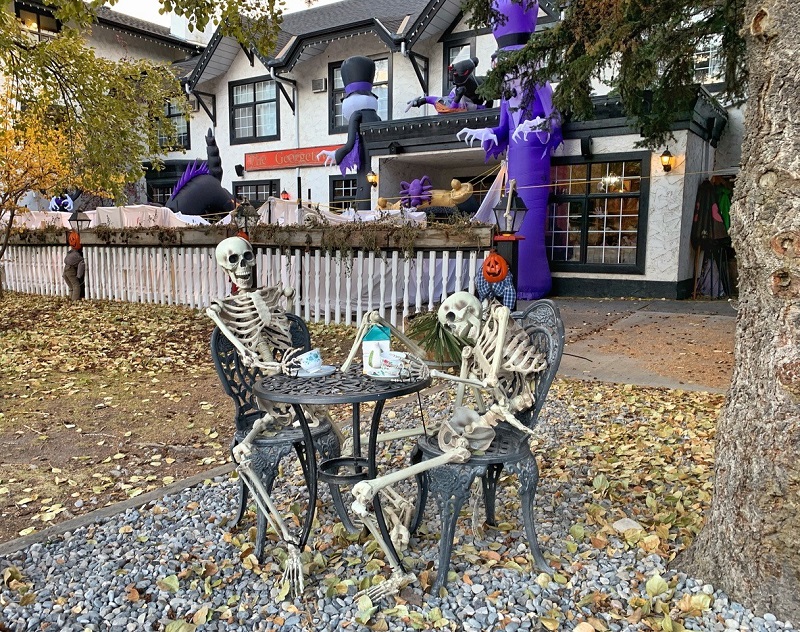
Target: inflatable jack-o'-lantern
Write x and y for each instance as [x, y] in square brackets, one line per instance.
[495, 268]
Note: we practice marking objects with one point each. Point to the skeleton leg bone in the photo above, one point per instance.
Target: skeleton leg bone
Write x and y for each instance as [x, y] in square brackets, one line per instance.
[507, 415]
[364, 493]
[242, 455]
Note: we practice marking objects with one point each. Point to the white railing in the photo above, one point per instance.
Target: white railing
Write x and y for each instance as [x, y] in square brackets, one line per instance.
[329, 287]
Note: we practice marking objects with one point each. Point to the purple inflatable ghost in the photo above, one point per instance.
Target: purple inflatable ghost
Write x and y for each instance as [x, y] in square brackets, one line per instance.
[528, 135]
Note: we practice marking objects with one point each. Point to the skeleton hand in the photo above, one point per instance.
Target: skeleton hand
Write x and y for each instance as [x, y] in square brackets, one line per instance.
[484, 135]
[330, 157]
[290, 364]
[538, 126]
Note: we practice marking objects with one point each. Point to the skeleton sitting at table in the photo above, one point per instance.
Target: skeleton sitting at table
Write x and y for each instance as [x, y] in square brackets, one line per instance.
[255, 323]
[500, 365]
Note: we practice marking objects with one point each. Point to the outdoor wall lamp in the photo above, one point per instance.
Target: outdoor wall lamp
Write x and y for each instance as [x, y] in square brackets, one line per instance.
[666, 161]
[372, 178]
[510, 211]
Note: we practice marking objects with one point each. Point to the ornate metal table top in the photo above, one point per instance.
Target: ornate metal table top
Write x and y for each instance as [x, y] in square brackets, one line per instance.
[336, 388]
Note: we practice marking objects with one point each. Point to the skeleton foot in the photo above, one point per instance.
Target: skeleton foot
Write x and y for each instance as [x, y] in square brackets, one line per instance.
[392, 586]
[294, 571]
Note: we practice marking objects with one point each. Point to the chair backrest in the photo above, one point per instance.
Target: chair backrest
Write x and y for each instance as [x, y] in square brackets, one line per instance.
[543, 324]
[237, 379]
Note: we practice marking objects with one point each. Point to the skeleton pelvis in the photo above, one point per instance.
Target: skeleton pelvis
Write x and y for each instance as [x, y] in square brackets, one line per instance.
[468, 424]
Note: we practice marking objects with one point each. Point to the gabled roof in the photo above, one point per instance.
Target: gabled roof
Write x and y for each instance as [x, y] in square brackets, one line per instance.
[129, 24]
[304, 34]
[113, 19]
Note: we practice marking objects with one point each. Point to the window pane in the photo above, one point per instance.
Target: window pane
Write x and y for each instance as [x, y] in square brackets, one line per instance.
[344, 193]
[382, 92]
[457, 53]
[381, 71]
[182, 128]
[48, 25]
[337, 79]
[338, 117]
[266, 120]
[243, 122]
[29, 19]
[265, 90]
[563, 236]
[243, 94]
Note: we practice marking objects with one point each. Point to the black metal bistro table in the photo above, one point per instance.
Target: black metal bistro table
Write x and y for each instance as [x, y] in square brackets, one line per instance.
[351, 387]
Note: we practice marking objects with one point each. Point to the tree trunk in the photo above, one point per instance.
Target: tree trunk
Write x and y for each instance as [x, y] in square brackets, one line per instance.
[749, 546]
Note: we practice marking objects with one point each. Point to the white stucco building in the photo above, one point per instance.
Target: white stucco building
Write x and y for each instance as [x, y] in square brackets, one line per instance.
[619, 224]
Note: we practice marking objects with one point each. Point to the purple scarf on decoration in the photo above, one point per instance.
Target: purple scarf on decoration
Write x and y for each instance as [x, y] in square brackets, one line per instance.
[353, 157]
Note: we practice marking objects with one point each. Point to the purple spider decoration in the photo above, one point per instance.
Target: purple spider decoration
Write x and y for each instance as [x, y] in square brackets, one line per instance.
[416, 192]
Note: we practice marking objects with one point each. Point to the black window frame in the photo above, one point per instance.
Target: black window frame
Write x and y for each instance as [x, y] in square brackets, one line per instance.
[335, 94]
[233, 108]
[39, 13]
[171, 110]
[449, 44]
[274, 185]
[643, 196]
[333, 201]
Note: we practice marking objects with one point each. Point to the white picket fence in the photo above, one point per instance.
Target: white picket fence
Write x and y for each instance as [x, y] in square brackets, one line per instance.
[329, 287]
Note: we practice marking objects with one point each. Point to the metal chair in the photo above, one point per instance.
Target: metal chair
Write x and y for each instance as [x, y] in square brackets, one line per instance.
[238, 380]
[450, 484]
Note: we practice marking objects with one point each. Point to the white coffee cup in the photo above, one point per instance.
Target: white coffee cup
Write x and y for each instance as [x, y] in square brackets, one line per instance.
[310, 361]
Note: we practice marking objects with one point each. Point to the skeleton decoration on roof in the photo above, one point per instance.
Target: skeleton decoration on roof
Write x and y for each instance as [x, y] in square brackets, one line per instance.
[359, 106]
[529, 130]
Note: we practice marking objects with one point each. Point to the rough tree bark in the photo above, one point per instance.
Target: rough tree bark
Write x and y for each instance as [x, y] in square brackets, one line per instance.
[750, 545]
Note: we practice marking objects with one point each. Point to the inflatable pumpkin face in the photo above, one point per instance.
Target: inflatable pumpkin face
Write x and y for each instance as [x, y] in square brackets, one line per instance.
[495, 268]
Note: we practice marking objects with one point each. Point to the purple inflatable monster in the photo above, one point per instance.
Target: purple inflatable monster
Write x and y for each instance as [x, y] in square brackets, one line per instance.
[528, 135]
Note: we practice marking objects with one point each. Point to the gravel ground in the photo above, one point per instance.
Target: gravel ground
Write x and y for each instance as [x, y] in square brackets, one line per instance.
[178, 562]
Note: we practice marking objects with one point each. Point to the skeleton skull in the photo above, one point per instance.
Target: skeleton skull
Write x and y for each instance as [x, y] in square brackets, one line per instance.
[461, 314]
[235, 256]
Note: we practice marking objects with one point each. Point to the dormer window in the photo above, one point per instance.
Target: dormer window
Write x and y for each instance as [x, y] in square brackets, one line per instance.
[38, 22]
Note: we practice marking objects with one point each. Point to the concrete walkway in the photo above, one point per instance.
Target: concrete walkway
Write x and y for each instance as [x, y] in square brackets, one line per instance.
[592, 324]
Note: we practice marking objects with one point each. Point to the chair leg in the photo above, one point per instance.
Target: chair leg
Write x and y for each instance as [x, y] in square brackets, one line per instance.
[489, 484]
[243, 493]
[422, 491]
[528, 481]
[268, 479]
[450, 485]
[265, 465]
[329, 448]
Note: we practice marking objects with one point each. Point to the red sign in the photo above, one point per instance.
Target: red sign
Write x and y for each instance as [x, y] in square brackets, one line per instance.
[286, 158]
